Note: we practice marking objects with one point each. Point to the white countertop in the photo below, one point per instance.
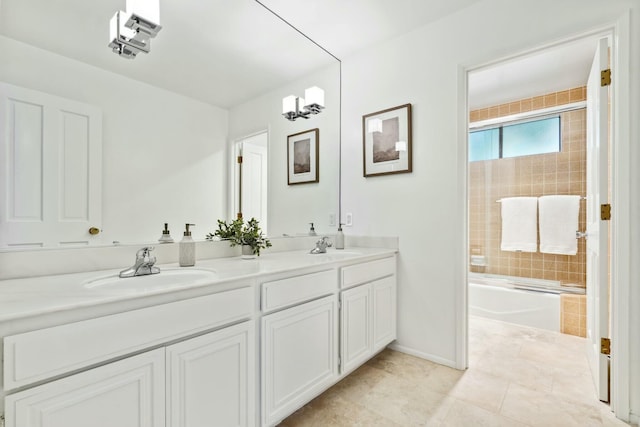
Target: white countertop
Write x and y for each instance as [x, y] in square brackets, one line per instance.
[29, 297]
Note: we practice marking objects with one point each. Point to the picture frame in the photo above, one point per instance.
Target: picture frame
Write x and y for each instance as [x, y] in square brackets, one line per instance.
[303, 158]
[386, 141]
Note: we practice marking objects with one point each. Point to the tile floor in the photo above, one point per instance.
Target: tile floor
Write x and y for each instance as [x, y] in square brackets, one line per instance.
[518, 376]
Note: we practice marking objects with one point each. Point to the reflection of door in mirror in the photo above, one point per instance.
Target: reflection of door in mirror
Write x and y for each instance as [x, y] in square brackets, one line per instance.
[251, 166]
[50, 185]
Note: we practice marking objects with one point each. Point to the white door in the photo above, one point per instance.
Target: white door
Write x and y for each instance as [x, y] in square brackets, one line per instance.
[254, 182]
[210, 379]
[597, 229]
[355, 327]
[251, 182]
[383, 293]
[127, 393]
[50, 176]
[299, 356]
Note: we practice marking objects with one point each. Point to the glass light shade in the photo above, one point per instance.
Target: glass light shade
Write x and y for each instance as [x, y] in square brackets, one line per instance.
[119, 18]
[147, 9]
[401, 146]
[374, 125]
[314, 96]
[289, 104]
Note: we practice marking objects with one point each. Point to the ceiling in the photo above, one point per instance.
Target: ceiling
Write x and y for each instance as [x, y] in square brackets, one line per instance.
[225, 52]
[550, 70]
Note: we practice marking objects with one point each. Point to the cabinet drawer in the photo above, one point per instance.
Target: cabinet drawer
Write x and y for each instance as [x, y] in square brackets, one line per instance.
[367, 272]
[45, 353]
[296, 290]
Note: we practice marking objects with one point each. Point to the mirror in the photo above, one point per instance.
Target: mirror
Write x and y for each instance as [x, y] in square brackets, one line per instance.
[216, 73]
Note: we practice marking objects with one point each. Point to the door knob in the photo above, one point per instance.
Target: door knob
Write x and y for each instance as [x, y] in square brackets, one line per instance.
[94, 230]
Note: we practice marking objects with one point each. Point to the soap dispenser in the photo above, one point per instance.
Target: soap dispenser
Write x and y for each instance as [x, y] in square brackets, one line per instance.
[312, 231]
[340, 238]
[166, 235]
[187, 249]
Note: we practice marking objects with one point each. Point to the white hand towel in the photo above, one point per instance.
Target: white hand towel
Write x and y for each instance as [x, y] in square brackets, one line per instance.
[519, 224]
[558, 224]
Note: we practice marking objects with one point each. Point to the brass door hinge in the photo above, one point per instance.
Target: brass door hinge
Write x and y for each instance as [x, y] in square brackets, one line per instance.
[605, 345]
[605, 212]
[240, 159]
[605, 77]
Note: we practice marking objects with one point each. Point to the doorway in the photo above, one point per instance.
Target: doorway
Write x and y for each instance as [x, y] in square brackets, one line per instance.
[250, 178]
[527, 147]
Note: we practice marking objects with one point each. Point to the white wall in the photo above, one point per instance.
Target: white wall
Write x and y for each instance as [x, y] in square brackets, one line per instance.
[426, 208]
[292, 207]
[164, 157]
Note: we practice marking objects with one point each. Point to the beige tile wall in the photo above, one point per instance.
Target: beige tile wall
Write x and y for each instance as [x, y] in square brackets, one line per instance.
[573, 314]
[537, 175]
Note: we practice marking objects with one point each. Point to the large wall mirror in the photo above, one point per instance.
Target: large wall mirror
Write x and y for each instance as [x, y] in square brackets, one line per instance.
[166, 124]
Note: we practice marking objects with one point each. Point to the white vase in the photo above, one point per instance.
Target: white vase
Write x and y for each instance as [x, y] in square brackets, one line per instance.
[247, 252]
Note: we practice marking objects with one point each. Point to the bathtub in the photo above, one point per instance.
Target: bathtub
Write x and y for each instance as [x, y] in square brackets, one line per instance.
[520, 303]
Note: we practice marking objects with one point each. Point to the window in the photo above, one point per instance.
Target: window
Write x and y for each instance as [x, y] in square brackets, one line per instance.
[519, 139]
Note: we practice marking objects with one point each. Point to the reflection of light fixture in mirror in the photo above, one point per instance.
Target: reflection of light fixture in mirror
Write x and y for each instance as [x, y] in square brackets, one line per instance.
[401, 146]
[131, 32]
[374, 125]
[294, 107]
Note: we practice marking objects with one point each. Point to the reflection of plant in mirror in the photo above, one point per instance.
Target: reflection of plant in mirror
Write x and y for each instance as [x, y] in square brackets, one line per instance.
[239, 233]
[226, 231]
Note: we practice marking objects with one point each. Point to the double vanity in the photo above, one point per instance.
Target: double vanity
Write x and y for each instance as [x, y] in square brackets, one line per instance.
[230, 342]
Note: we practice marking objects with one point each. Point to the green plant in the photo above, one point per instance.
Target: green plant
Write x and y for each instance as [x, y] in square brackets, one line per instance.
[239, 233]
[226, 231]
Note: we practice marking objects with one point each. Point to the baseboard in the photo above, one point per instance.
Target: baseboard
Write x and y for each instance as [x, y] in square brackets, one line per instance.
[430, 357]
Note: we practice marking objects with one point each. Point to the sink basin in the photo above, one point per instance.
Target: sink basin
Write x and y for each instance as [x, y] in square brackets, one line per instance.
[164, 279]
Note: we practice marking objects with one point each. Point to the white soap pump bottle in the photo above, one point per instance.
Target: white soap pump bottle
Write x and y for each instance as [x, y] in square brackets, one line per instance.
[340, 238]
[187, 249]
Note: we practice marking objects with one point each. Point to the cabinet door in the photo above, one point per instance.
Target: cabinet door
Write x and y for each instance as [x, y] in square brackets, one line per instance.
[299, 356]
[356, 321]
[384, 312]
[210, 379]
[127, 393]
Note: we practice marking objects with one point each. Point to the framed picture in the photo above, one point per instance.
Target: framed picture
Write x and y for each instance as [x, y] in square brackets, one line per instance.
[386, 140]
[303, 160]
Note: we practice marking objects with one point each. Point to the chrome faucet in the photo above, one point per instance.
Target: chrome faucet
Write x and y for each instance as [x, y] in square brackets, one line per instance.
[144, 264]
[321, 246]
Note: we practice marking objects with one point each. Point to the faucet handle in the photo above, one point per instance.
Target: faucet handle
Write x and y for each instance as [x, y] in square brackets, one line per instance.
[144, 252]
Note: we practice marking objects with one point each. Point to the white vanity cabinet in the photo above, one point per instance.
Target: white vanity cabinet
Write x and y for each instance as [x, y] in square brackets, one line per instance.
[189, 378]
[127, 393]
[210, 379]
[368, 311]
[299, 343]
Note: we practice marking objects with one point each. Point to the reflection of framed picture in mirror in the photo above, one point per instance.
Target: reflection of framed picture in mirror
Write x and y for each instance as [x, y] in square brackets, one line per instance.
[386, 139]
[303, 161]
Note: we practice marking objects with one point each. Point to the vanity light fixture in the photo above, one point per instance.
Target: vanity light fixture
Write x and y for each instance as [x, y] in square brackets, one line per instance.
[294, 107]
[131, 32]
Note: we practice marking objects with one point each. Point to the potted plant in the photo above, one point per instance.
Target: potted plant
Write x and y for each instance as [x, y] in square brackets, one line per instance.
[226, 231]
[248, 235]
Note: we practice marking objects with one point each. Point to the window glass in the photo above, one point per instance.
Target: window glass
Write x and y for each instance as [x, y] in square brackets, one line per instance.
[484, 145]
[536, 137]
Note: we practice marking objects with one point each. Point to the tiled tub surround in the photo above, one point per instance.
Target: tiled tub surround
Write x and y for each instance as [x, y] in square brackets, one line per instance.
[573, 315]
[29, 305]
[536, 175]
